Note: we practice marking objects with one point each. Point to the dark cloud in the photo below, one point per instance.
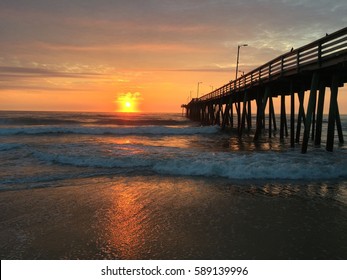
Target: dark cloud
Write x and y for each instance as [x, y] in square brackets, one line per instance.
[39, 79]
[37, 88]
[9, 71]
[157, 21]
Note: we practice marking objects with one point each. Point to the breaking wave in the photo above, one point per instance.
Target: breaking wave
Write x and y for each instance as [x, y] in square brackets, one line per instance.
[104, 130]
[267, 165]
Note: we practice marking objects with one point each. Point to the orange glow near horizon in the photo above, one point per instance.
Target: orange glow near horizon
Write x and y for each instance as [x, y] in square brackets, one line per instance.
[164, 94]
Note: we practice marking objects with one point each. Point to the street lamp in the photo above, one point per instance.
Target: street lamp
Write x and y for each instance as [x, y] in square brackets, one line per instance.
[211, 88]
[197, 92]
[238, 56]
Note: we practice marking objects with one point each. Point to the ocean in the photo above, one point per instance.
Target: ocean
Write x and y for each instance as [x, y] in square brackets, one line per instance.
[159, 186]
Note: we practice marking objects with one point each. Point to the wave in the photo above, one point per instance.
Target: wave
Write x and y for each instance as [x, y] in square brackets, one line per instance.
[9, 146]
[121, 119]
[36, 121]
[258, 166]
[32, 121]
[267, 165]
[104, 130]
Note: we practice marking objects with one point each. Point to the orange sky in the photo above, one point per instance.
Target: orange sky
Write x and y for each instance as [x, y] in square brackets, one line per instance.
[96, 55]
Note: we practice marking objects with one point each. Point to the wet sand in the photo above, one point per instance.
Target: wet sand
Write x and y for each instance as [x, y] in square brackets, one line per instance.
[153, 217]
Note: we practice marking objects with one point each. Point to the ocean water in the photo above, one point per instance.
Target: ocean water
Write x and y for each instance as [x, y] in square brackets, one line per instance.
[161, 186]
[39, 149]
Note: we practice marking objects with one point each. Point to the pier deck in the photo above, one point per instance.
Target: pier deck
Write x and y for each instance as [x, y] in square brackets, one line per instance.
[307, 70]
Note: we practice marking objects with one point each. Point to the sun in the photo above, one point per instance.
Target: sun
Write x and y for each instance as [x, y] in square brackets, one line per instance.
[128, 106]
[128, 102]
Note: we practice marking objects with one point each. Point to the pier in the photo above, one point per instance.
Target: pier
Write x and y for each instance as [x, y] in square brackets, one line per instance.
[301, 73]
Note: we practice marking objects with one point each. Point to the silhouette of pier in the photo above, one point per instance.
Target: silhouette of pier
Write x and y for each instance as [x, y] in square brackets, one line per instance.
[308, 70]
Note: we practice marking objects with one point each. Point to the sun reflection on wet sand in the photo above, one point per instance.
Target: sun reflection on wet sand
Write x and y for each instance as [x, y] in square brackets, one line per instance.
[148, 217]
[128, 223]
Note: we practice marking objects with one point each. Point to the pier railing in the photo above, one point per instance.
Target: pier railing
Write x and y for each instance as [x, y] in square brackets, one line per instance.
[315, 54]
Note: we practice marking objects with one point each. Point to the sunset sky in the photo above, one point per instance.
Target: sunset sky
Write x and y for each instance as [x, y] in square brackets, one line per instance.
[95, 55]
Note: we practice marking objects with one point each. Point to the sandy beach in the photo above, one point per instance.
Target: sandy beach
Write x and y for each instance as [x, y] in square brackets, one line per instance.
[148, 217]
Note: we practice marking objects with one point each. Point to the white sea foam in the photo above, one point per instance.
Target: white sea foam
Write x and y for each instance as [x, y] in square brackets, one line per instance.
[257, 166]
[115, 130]
[265, 165]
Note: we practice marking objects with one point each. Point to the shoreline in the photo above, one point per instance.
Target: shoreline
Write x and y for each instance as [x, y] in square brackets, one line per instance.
[152, 217]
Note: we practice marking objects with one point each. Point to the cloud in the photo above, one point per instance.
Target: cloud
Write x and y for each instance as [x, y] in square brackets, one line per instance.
[118, 47]
[120, 33]
[129, 96]
[41, 79]
[207, 69]
[37, 88]
[9, 71]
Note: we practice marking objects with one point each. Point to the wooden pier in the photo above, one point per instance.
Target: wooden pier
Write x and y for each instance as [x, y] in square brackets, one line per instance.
[308, 70]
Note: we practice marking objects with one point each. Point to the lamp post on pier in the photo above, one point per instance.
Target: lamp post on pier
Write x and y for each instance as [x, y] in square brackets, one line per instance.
[197, 92]
[238, 56]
